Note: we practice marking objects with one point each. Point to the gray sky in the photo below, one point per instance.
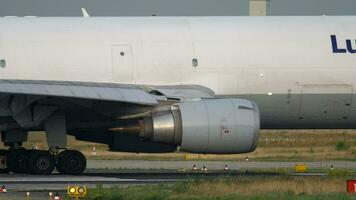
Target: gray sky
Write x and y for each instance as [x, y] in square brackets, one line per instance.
[171, 7]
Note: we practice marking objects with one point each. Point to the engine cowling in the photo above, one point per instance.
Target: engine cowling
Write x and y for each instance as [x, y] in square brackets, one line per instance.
[220, 126]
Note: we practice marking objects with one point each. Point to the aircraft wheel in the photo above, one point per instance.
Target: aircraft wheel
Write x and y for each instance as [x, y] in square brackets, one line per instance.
[3, 161]
[60, 166]
[41, 162]
[17, 160]
[71, 162]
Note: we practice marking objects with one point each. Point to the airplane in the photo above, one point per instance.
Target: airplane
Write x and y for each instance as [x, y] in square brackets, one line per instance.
[166, 84]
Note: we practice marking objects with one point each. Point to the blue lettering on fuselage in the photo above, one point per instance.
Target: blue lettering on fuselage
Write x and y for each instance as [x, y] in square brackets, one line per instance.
[338, 49]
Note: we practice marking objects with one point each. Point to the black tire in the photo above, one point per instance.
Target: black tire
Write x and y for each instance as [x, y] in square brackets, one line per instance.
[40, 162]
[60, 165]
[3, 162]
[71, 162]
[17, 161]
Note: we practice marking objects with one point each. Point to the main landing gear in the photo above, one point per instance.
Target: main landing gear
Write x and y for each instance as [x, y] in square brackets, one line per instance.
[41, 162]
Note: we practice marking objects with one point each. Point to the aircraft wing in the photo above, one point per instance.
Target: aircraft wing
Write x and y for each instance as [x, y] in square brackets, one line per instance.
[135, 94]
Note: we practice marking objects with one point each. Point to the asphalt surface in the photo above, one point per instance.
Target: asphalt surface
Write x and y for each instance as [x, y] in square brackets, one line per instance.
[110, 173]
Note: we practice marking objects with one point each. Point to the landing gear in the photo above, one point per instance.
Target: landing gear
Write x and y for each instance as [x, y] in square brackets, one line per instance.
[20, 160]
[30, 161]
[71, 162]
[17, 160]
[41, 162]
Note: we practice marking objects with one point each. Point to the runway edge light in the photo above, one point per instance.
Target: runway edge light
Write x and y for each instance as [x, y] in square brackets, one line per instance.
[57, 196]
[3, 189]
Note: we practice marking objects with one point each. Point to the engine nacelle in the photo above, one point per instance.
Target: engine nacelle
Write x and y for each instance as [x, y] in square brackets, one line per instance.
[220, 126]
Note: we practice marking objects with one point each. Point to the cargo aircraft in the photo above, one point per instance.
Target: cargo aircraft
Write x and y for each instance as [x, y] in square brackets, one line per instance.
[162, 84]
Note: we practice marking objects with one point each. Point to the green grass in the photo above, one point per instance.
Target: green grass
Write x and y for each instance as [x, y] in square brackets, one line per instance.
[254, 188]
[152, 195]
[342, 146]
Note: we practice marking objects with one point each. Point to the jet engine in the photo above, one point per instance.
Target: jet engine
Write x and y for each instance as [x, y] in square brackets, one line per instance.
[220, 126]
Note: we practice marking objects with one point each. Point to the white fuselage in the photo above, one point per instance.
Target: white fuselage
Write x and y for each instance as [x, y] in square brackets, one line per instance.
[235, 55]
[231, 55]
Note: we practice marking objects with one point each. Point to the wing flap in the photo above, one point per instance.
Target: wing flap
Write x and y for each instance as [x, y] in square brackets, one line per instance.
[183, 92]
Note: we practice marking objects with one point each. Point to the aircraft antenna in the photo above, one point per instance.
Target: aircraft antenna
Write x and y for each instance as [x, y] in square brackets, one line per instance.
[85, 13]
